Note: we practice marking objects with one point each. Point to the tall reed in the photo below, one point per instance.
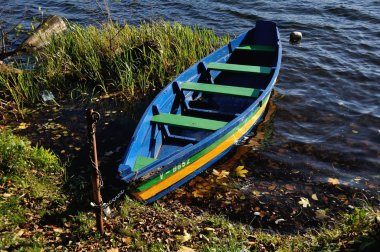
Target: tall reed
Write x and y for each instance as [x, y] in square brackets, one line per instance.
[113, 57]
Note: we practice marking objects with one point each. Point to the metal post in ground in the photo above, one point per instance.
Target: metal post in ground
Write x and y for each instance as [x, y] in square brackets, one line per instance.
[92, 118]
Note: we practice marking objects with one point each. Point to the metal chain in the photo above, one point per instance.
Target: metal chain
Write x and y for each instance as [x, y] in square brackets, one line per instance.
[105, 205]
[101, 183]
[113, 200]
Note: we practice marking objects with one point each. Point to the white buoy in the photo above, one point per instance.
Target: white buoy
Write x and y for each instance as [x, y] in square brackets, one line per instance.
[295, 37]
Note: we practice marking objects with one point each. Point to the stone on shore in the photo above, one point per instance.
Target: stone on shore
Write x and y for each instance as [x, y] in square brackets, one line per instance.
[43, 33]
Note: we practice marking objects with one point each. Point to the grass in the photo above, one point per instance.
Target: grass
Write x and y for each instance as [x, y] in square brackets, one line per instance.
[356, 231]
[29, 182]
[133, 60]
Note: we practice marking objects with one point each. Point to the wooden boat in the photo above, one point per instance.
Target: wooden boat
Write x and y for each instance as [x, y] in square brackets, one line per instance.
[203, 113]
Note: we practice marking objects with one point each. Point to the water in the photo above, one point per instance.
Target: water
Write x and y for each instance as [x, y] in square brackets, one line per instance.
[327, 118]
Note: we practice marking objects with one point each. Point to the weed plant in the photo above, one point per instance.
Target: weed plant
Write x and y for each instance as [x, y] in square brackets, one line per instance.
[133, 60]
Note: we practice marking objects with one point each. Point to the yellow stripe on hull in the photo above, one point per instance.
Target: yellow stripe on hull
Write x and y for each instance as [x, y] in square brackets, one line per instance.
[150, 192]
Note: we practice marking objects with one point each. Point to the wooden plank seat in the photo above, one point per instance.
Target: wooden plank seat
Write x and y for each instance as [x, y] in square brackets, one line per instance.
[239, 68]
[257, 48]
[188, 122]
[142, 162]
[221, 89]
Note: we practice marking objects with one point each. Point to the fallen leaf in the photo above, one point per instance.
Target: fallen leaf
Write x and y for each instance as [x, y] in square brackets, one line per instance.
[290, 187]
[333, 181]
[23, 125]
[304, 202]
[20, 232]
[197, 193]
[342, 197]
[58, 230]
[127, 240]
[113, 250]
[314, 196]
[320, 214]
[240, 171]
[220, 174]
[272, 187]
[256, 193]
[185, 249]
[183, 238]
[262, 214]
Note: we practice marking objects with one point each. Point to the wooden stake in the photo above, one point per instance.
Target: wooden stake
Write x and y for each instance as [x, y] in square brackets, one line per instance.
[92, 118]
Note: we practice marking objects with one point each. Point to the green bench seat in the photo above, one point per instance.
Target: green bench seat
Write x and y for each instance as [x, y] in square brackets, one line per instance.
[257, 48]
[188, 122]
[221, 89]
[239, 68]
[142, 162]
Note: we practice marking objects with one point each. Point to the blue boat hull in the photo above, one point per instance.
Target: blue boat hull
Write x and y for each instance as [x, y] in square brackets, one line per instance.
[203, 113]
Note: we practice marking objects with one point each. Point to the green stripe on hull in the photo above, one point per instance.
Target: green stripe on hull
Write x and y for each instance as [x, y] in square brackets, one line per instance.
[194, 158]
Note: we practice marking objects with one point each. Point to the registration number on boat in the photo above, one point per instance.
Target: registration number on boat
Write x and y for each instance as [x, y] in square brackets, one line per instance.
[175, 169]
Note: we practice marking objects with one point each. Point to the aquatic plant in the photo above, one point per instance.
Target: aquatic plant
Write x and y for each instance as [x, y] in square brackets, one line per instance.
[134, 60]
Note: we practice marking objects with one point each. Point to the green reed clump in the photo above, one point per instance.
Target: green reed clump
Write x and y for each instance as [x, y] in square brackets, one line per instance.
[19, 87]
[132, 59]
[125, 58]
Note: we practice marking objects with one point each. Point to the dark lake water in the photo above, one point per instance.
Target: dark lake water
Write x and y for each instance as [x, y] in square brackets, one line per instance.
[326, 121]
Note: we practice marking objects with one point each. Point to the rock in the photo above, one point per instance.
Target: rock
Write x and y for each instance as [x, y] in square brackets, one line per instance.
[295, 37]
[43, 33]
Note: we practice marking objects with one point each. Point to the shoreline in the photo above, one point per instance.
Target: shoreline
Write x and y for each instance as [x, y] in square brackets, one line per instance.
[61, 128]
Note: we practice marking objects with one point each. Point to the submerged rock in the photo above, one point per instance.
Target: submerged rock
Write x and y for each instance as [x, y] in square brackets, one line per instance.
[43, 33]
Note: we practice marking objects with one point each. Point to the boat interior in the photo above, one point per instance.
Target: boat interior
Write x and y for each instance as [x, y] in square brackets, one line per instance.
[207, 96]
